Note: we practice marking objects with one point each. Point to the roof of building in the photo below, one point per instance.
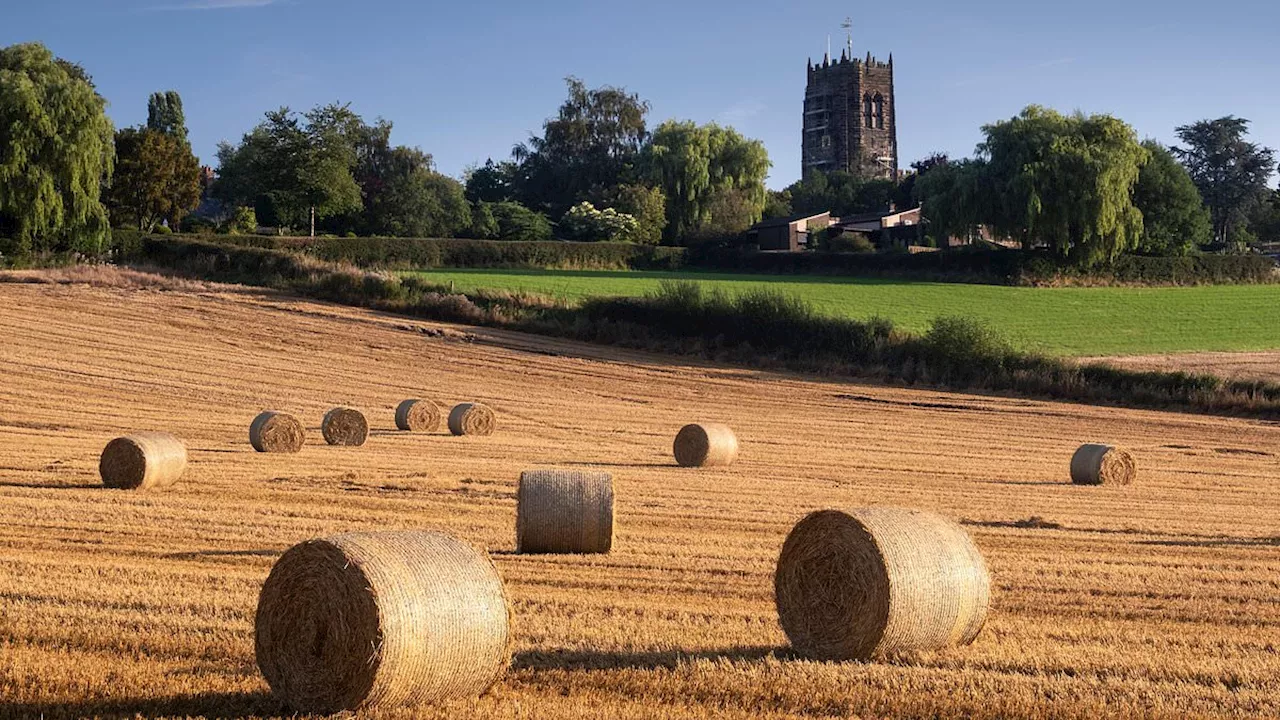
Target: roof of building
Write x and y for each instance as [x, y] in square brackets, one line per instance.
[776, 222]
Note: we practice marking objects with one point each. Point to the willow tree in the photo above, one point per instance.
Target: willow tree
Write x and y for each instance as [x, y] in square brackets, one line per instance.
[1064, 182]
[55, 153]
[712, 176]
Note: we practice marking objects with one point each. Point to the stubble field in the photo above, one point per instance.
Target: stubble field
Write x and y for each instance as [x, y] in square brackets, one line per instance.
[1156, 600]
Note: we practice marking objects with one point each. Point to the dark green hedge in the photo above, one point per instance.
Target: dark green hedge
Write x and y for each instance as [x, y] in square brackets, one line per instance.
[997, 267]
[414, 253]
[1000, 267]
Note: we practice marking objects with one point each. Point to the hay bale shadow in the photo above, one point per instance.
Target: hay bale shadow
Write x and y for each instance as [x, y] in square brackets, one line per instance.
[214, 706]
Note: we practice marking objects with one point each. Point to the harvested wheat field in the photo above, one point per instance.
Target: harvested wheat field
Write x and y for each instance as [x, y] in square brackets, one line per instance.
[1263, 365]
[1157, 599]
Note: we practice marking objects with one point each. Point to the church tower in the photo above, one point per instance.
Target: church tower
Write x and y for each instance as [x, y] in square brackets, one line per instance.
[850, 118]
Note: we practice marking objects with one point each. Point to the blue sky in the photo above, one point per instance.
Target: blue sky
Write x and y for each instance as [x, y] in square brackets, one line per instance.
[466, 80]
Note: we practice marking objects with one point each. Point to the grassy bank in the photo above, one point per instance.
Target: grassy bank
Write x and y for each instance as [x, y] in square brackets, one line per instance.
[760, 327]
[1059, 321]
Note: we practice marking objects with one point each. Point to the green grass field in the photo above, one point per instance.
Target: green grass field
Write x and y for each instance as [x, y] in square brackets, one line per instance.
[1065, 321]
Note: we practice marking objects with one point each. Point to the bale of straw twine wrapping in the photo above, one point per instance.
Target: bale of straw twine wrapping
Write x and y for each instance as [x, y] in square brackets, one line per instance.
[879, 581]
[345, 426]
[1094, 464]
[143, 461]
[418, 416]
[472, 419]
[381, 619]
[705, 445]
[564, 511]
[274, 431]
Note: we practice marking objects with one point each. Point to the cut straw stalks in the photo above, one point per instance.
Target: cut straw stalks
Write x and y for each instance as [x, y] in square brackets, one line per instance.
[418, 416]
[564, 511]
[145, 461]
[878, 582]
[705, 445]
[276, 432]
[345, 426]
[1094, 464]
[381, 619]
[472, 419]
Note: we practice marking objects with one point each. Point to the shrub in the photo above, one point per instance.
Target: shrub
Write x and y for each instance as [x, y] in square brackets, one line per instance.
[244, 221]
[517, 222]
[584, 222]
[162, 230]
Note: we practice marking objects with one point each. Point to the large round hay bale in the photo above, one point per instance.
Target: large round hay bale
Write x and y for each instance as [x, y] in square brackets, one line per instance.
[472, 419]
[564, 511]
[143, 461]
[345, 426]
[879, 581]
[1094, 464]
[381, 619]
[705, 445]
[274, 431]
[418, 416]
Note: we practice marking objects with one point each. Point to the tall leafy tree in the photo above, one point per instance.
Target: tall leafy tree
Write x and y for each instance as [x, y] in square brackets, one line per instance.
[1230, 171]
[303, 170]
[1065, 182]
[592, 143]
[55, 152]
[955, 199]
[165, 115]
[492, 182]
[1174, 218]
[415, 201]
[1264, 221]
[156, 179]
[712, 176]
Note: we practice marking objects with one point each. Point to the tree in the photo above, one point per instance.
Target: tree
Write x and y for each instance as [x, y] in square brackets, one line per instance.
[777, 204]
[695, 165]
[954, 199]
[415, 201]
[517, 222]
[484, 226]
[841, 193]
[648, 205]
[1174, 218]
[164, 114]
[156, 179]
[303, 171]
[1265, 219]
[492, 182]
[55, 153]
[592, 143]
[1065, 182]
[1230, 172]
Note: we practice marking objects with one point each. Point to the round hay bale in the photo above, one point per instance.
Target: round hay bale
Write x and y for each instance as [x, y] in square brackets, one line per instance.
[1094, 464]
[705, 445]
[345, 426]
[564, 511]
[418, 416]
[472, 419]
[381, 619]
[143, 461]
[274, 431]
[879, 581]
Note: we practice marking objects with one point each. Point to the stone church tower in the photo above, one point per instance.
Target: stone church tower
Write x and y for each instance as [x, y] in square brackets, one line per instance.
[850, 118]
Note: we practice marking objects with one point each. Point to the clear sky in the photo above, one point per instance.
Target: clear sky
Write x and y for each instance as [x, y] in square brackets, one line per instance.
[466, 80]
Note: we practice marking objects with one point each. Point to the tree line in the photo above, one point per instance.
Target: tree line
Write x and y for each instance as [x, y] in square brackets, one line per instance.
[1080, 185]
